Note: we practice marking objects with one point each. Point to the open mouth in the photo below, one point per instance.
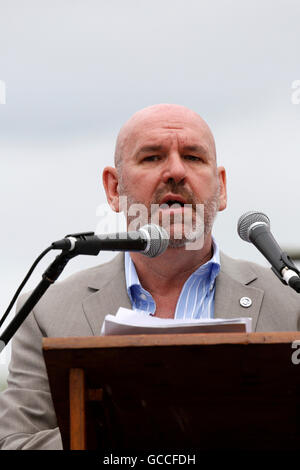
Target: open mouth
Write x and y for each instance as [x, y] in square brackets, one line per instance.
[172, 202]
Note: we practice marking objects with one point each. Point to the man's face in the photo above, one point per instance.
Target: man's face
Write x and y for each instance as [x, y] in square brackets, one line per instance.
[169, 158]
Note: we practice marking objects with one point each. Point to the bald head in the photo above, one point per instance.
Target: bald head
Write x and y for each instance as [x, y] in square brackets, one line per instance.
[163, 116]
[166, 150]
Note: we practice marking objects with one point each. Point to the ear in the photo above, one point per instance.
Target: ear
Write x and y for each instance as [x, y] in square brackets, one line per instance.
[110, 183]
[223, 189]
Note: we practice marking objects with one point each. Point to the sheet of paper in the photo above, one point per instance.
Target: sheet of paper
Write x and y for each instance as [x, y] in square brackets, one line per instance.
[128, 322]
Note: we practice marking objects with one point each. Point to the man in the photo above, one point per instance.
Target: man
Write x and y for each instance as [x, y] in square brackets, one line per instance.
[165, 154]
[171, 150]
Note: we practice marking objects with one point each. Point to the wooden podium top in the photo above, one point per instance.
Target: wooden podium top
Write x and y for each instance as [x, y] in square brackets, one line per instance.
[207, 391]
[169, 340]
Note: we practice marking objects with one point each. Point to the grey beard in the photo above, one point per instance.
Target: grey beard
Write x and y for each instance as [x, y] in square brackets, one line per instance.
[195, 233]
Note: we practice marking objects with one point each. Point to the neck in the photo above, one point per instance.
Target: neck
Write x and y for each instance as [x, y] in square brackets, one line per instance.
[169, 271]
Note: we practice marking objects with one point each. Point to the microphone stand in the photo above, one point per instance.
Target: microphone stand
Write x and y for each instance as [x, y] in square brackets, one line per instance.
[288, 273]
[49, 277]
[71, 246]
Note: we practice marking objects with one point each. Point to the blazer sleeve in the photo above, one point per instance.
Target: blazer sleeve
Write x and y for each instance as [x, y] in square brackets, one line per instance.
[27, 416]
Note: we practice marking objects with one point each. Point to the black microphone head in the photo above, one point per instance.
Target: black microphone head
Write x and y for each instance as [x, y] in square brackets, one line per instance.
[248, 220]
[158, 240]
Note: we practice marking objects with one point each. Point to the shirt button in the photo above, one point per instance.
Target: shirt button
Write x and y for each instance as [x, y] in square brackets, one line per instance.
[245, 302]
[143, 297]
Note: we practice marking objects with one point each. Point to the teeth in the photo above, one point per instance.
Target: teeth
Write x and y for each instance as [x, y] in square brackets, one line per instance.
[171, 202]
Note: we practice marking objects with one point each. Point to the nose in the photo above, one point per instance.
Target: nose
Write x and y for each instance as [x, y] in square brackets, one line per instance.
[174, 168]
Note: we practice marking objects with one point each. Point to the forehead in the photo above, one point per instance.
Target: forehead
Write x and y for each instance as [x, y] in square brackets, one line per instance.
[166, 131]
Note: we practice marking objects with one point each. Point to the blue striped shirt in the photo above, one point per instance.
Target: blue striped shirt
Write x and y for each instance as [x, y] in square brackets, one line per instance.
[196, 299]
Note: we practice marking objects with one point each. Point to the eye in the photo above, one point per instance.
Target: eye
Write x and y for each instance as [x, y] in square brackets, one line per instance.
[192, 158]
[151, 158]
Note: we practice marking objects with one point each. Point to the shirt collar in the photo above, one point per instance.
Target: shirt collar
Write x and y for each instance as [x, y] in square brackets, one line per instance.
[210, 269]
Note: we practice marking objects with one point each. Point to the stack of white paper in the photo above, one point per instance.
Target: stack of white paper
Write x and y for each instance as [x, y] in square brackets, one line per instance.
[130, 322]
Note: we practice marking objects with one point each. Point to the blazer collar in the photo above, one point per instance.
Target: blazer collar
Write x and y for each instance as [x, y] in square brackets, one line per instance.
[108, 292]
[232, 284]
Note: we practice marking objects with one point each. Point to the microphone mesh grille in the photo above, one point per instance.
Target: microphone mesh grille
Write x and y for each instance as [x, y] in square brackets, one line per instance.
[247, 220]
[159, 240]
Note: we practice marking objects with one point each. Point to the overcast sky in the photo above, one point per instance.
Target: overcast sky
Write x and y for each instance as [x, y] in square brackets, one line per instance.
[76, 70]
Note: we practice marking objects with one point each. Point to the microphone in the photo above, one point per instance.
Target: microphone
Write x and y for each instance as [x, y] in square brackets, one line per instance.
[254, 227]
[151, 240]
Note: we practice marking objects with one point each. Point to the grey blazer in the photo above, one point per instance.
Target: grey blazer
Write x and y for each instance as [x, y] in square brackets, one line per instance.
[77, 307]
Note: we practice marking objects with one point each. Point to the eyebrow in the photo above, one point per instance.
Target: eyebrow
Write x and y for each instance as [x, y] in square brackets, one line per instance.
[150, 148]
[158, 148]
[195, 148]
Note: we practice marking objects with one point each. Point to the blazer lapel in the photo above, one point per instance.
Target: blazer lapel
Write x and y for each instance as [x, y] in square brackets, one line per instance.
[232, 284]
[108, 293]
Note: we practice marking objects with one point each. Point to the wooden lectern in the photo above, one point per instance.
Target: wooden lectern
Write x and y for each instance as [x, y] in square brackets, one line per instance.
[216, 391]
